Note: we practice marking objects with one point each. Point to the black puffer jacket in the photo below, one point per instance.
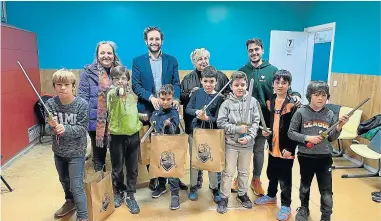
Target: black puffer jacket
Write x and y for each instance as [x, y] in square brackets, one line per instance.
[191, 81]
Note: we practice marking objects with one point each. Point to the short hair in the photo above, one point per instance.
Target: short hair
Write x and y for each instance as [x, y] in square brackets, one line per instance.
[64, 76]
[197, 53]
[152, 28]
[166, 90]
[320, 87]
[238, 75]
[209, 72]
[256, 41]
[113, 46]
[286, 75]
[118, 71]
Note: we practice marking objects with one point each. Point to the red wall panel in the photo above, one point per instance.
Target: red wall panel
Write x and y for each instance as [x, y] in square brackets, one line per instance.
[17, 96]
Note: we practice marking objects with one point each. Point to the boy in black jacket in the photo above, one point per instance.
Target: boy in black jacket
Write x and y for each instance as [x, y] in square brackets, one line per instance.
[281, 148]
[204, 119]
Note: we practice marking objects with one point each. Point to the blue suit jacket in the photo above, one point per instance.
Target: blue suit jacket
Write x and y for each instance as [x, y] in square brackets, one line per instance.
[143, 83]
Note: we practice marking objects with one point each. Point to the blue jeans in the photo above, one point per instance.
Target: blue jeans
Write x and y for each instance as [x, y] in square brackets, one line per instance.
[70, 172]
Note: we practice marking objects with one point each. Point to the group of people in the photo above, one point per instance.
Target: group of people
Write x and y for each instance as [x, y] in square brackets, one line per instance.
[107, 110]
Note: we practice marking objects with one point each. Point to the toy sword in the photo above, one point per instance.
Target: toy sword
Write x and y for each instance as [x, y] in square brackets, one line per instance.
[215, 97]
[324, 134]
[149, 131]
[246, 111]
[264, 127]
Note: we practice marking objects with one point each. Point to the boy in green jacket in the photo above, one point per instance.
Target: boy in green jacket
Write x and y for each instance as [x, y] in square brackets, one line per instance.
[124, 125]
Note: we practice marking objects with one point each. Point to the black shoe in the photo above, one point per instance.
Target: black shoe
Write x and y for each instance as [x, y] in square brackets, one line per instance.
[302, 214]
[131, 204]
[175, 202]
[182, 186]
[325, 217]
[245, 201]
[376, 194]
[222, 206]
[153, 183]
[118, 198]
[160, 190]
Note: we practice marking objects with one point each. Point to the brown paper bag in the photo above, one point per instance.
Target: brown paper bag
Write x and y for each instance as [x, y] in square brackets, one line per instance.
[100, 196]
[168, 155]
[145, 147]
[208, 149]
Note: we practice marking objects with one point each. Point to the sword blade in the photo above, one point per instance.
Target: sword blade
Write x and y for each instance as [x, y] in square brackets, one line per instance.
[31, 84]
[215, 97]
[246, 113]
[262, 118]
[146, 134]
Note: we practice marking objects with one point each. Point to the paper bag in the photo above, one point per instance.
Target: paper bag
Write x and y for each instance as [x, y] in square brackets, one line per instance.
[208, 149]
[168, 155]
[100, 196]
[145, 147]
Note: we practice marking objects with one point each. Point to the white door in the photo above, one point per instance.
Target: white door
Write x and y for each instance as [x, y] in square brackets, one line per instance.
[293, 51]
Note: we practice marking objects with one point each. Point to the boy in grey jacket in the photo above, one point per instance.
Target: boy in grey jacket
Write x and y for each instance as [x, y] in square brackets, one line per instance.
[314, 153]
[239, 139]
[69, 129]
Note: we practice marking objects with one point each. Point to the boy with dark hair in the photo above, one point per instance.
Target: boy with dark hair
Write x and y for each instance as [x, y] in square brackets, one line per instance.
[314, 152]
[167, 121]
[204, 119]
[281, 148]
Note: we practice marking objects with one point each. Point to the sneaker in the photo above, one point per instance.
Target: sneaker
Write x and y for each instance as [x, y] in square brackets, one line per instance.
[132, 204]
[160, 190]
[376, 193]
[222, 206]
[302, 214]
[216, 195]
[235, 186]
[199, 179]
[245, 201]
[193, 195]
[284, 213]
[182, 185]
[376, 199]
[256, 186]
[153, 183]
[175, 202]
[66, 208]
[265, 200]
[118, 198]
[325, 217]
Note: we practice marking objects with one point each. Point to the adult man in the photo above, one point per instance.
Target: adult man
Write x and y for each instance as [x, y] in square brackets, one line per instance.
[149, 72]
[262, 72]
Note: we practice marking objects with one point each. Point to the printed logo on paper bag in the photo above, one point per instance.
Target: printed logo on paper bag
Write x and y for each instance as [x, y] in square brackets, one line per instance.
[105, 201]
[203, 153]
[167, 160]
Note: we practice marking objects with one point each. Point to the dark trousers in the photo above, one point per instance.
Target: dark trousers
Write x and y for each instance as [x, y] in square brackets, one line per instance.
[322, 168]
[280, 170]
[99, 154]
[70, 172]
[124, 151]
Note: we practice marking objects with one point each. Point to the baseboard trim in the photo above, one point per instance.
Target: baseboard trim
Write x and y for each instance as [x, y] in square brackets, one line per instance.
[20, 154]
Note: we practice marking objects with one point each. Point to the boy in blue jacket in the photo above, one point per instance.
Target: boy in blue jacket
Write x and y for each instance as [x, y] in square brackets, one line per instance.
[167, 121]
[204, 119]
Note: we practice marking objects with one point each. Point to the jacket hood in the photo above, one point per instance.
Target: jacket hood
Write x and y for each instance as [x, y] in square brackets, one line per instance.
[234, 98]
[92, 68]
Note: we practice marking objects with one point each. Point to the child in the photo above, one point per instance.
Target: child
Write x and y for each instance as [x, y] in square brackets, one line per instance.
[198, 100]
[305, 126]
[167, 121]
[69, 128]
[124, 130]
[281, 148]
[238, 149]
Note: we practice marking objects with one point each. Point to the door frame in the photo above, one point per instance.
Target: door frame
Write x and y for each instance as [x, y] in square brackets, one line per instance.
[325, 27]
